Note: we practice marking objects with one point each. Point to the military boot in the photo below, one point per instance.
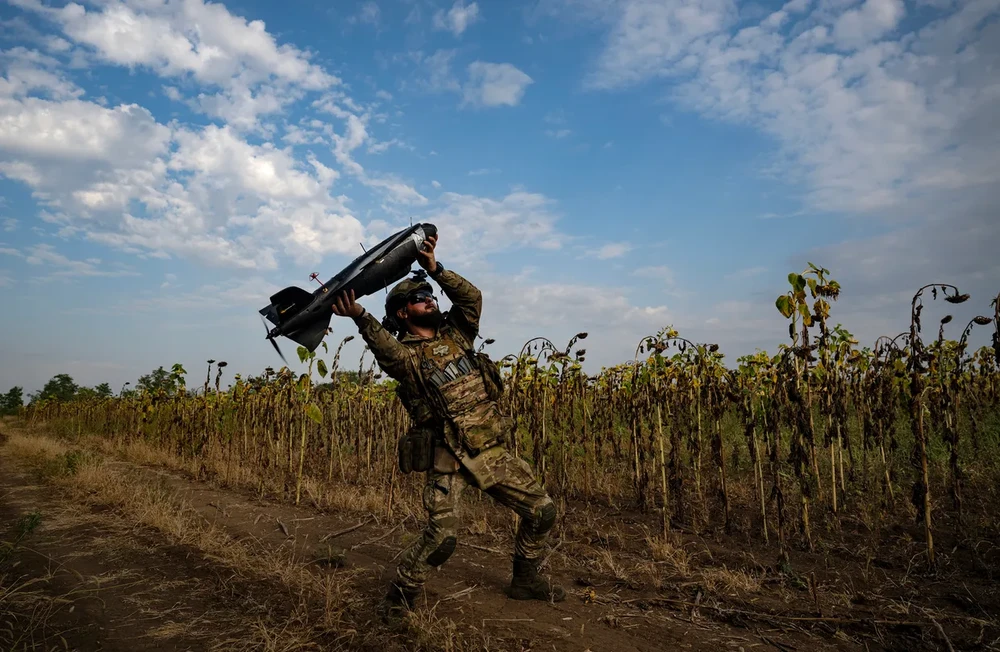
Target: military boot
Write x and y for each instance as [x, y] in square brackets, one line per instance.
[527, 585]
[398, 600]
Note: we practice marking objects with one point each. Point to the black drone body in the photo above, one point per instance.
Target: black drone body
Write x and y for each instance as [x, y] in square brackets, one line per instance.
[304, 317]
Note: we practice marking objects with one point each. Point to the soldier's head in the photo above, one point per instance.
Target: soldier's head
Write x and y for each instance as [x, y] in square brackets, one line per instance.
[412, 303]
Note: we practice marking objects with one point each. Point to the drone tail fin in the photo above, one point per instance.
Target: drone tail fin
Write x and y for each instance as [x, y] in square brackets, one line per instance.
[312, 334]
[285, 304]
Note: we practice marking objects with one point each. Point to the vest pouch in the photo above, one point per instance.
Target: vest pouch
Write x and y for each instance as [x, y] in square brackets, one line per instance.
[482, 429]
[416, 450]
[403, 451]
[492, 379]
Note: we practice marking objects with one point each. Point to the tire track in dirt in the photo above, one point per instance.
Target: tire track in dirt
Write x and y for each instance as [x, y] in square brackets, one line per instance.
[104, 584]
[468, 588]
[464, 600]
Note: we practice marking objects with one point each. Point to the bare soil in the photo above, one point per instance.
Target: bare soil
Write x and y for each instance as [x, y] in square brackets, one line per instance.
[246, 572]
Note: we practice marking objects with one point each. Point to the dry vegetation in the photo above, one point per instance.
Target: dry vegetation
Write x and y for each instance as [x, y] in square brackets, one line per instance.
[830, 490]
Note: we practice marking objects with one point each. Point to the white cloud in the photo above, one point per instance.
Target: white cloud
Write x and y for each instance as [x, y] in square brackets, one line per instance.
[10, 224]
[80, 131]
[457, 19]
[866, 123]
[613, 250]
[193, 40]
[369, 14]
[517, 308]
[486, 84]
[189, 38]
[205, 193]
[558, 133]
[29, 71]
[473, 227]
[355, 135]
[856, 28]
[436, 73]
[60, 267]
[494, 84]
[221, 295]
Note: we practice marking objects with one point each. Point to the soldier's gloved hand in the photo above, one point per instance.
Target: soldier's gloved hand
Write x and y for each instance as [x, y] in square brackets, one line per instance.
[425, 255]
[344, 306]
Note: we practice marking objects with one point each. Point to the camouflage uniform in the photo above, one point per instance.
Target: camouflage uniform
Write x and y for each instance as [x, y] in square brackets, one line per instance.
[437, 375]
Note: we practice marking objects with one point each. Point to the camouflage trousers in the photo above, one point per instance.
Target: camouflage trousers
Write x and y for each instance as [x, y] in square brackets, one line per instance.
[515, 487]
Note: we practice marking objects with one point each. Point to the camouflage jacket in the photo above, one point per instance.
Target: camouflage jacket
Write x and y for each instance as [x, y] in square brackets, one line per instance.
[439, 382]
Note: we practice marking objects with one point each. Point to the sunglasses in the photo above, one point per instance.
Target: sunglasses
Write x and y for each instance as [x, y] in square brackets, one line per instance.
[421, 297]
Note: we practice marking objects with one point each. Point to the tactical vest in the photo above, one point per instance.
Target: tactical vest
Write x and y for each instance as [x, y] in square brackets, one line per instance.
[462, 390]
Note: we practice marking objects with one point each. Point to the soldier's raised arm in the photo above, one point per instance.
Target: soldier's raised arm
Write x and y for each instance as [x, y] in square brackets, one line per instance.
[466, 299]
[392, 357]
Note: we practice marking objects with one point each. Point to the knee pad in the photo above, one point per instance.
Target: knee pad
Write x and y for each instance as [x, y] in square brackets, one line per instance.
[442, 552]
[545, 518]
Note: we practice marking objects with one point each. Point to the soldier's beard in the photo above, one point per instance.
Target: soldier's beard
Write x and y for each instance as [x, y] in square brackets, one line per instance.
[427, 320]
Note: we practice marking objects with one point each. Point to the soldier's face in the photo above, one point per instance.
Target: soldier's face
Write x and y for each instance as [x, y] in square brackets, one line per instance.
[421, 308]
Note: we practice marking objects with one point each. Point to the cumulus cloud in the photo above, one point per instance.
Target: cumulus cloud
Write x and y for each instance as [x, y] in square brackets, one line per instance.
[479, 226]
[202, 42]
[31, 72]
[494, 84]
[457, 19]
[486, 84]
[866, 116]
[192, 38]
[117, 176]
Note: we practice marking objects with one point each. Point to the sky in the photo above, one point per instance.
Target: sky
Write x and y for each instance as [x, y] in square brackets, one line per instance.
[608, 166]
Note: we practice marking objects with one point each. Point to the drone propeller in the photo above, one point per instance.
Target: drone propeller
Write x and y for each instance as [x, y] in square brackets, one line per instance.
[273, 342]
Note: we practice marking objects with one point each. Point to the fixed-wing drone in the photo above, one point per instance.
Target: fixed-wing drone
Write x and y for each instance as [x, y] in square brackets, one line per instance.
[304, 317]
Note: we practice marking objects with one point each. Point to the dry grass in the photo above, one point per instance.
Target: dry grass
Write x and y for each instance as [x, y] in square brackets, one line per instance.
[669, 552]
[729, 582]
[325, 606]
[27, 609]
[233, 473]
[129, 492]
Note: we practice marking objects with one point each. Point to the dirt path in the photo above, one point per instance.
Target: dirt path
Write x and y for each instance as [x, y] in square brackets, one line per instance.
[238, 575]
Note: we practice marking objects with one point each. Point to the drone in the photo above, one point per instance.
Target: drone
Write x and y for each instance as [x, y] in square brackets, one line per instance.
[304, 317]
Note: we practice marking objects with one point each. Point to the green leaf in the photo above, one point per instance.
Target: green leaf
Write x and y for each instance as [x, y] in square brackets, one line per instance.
[313, 412]
[812, 286]
[303, 353]
[784, 305]
[806, 315]
[321, 368]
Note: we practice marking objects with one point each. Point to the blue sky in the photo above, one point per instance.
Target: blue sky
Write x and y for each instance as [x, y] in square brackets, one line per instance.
[612, 166]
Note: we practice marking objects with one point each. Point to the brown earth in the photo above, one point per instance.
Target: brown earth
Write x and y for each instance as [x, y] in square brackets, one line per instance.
[140, 557]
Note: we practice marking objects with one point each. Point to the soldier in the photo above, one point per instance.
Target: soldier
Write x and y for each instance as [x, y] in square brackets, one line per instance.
[451, 395]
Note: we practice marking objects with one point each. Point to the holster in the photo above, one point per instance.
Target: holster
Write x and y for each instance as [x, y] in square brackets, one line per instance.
[416, 449]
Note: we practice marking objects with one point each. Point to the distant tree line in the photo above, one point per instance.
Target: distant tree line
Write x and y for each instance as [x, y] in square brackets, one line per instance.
[62, 387]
